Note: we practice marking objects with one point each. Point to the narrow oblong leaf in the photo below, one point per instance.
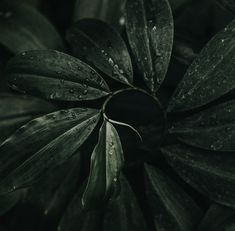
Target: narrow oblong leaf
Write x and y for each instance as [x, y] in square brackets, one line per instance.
[106, 163]
[212, 129]
[123, 213]
[23, 28]
[17, 110]
[55, 75]
[210, 76]
[102, 47]
[211, 173]
[172, 208]
[43, 143]
[109, 11]
[150, 32]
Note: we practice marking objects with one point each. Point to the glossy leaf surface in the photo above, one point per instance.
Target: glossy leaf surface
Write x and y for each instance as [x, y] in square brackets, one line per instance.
[172, 208]
[55, 75]
[22, 28]
[210, 76]
[210, 173]
[150, 32]
[102, 47]
[106, 163]
[212, 129]
[42, 144]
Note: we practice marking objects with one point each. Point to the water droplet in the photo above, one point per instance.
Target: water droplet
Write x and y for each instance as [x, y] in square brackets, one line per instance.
[8, 14]
[111, 61]
[85, 92]
[154, 28]
[23, 54]
[71, 91]
[222, 40]
[122, 21]
[45, 212]
[115, 179]
[145, 58]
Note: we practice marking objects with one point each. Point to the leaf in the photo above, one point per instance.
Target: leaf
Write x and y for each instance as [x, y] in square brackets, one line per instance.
[106, 162]
[17, 110]
[210, 76]
[212, 129]
[103, 47]
[7, 202]
[217, 218]
[54, 75]
[43, 143]
[109, 11]
[123, 212]
[23, 28]
[211, 173]
[149, 27]
[227, 4]
[172, 208]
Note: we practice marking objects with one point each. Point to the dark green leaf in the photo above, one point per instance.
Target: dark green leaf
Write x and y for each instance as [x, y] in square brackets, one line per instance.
[55, 75]
[212, 129]
[110, 11]
[172, 208]
[16, 111]
[102, 47]
[211, 173]
[43, 143]
[106, 163]
[218, 218]
[150, 32]
[8, 201]
[23, 28]
[123, 212]
[210, 76]
[228, 4]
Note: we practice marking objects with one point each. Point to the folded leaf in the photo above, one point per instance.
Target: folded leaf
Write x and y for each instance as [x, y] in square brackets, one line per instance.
[211, 173]
[23, 28]
[212, 129]
[16, 110]
[172, 208]
[123, 213]
[110, 11]
[54, 75]
[101, 46]
[210, 76]
[217, 218]
[42, 144]
[106, 163]
[150, 32]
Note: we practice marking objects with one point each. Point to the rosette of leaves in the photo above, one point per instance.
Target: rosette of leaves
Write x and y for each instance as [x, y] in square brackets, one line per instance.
[150, 164]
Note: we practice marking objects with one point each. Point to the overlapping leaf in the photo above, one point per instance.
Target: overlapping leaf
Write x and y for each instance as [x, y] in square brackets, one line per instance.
[210, 173]
[54, 75]
[106, 163]
[123, 212]
[172, 208]
[43, 143]
[218, 218]
[110, 11]
[102, 47]
[212, 129]
[210, 76]
[23, 28]
[17, 110]
[150, 32]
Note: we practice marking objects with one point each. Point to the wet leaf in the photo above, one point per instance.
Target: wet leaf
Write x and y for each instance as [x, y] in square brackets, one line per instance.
[150, 32]
[211, 173]
[43, 143]
[212, 129]
[102, 47]
[54, 75]
[23, 28]
[123, 213]
[210, 76]
[109, 11]
[218, 218]
[172, 208]
[16, 110]
[106, 163]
